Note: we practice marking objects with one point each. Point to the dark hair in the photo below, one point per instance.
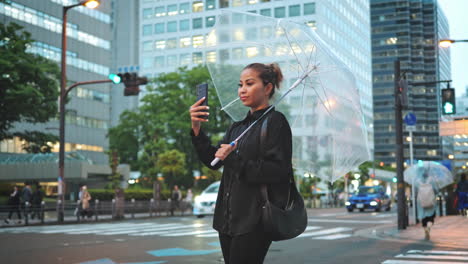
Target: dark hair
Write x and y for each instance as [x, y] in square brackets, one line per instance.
[269, 73]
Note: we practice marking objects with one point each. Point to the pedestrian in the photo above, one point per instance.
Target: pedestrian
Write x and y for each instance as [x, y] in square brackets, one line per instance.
[14, 205]
[37, 198]
[426, 203]
[119, 203]
[248, 165]
[189, 199]
[26, 196]
[85, 198]
[462, 192]
[176, 196]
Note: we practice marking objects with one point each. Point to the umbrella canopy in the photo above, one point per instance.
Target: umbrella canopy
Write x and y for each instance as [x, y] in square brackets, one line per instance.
[322, 105]
[428, 172]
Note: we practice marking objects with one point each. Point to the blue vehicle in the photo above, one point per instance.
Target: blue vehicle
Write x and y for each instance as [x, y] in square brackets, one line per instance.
[369, 197]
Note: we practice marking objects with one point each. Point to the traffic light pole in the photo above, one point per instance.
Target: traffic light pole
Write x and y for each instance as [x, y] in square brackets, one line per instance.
[399, 150]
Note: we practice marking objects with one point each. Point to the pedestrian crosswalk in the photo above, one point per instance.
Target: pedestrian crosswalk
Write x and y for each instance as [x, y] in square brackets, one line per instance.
[429, 257]
[179, 229]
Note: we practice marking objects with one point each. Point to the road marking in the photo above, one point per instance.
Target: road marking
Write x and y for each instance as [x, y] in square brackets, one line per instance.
[139, 229]
[422, 255]
[351, 221]
[167, 230]
[191, 233]
[85, 228]
[438, 252]
[326, 231]
[417, 262]
[437, 257]
[333, 237]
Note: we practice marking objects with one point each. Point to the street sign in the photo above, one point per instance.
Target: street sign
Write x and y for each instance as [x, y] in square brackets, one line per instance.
[410, 128]
[410, 119]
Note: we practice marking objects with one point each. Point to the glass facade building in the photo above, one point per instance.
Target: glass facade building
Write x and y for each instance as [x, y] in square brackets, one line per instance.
[408, 30]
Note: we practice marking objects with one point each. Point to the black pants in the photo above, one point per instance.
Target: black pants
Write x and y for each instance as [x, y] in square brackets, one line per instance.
[428, 219]
[13, 209]
[250, 248]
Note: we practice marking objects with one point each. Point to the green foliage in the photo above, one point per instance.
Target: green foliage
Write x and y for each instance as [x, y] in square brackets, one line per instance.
[28, 84]
[172, 166]
[36, 142]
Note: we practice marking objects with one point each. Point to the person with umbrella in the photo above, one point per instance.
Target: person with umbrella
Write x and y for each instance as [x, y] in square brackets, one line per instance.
[462, 191]
[247, 165]
[426, 202]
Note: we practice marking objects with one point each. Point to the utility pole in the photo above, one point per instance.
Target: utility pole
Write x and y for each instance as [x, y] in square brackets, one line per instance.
[399, 149]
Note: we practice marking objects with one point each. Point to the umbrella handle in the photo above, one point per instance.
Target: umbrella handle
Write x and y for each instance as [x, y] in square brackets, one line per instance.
[216, 160]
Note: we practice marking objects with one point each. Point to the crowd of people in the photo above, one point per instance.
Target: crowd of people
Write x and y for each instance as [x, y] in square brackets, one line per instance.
[21, 200]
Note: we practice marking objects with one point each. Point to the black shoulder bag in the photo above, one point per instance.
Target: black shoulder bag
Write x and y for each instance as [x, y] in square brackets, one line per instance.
[282, 223]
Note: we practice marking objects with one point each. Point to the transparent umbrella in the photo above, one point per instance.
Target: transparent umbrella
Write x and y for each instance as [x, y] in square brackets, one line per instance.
[428, 172]
[321, 102]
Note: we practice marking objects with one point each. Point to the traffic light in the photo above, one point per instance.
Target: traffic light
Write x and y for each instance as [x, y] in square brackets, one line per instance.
[131, 81]
[448, 101]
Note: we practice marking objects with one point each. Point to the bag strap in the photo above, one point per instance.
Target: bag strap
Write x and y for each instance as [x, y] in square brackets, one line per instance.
[263, 133]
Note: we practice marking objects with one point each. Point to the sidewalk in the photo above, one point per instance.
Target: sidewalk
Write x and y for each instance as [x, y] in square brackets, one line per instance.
[448, 231]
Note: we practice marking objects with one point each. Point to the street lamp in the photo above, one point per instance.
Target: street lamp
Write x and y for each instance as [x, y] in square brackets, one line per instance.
[446, 43]
[63, 84]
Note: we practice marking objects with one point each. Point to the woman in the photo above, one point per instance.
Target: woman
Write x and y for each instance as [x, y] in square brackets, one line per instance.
[247, 166]
[85, 198]
[426, 203]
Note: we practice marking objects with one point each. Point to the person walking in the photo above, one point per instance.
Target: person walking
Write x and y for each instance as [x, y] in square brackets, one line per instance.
[26, 196]
[85, 198]
[14, 205]
[176, 196]
[462, 193]
[37, 198]
[247, 165]
[426, 203]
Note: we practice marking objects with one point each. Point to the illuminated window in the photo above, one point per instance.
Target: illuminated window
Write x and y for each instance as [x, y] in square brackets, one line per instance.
[239, 34]
[197, 41]
[197, 6]
[197, 57]
[197, 23]
[172, 26]
[171, 43]
[185, 42]
[391, 41]
[312, 24]
[184, 25]
[160, 11]
[210, 4]
[252, 52]
[309, 9]
[147, 13]
[223, 3]
[159, 61]
[265, 12]
[210, 21]
[160, 44]
[280, 12]
[147, 30]
[211, 56]
[159, 28]
[252, 2]
[172, 10]
[294, 10]
[237, 3]
[184, 8]
[185, 59]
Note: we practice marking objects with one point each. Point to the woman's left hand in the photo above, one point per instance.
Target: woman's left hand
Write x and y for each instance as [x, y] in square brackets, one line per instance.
[224, 151]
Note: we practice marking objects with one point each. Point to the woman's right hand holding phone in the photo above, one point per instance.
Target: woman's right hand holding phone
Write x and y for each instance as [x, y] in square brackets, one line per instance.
[197, 112]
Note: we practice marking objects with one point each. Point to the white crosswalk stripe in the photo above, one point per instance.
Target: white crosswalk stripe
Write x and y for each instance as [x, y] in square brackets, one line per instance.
[429, 257]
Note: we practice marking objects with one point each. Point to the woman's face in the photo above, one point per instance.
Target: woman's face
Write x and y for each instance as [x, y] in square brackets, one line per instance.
[252, 92]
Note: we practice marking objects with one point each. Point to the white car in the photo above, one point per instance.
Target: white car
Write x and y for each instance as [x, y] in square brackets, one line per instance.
[205, 202]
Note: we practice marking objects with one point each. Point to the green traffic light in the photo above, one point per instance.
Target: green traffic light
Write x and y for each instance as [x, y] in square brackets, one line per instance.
[448, 108]
[115, 78]
[394, 179]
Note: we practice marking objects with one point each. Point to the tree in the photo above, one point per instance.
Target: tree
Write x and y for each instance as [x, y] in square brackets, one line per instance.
[172, 166]
[28, 87]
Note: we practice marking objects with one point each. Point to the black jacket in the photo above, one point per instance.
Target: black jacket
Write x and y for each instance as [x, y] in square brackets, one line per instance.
[238, 206]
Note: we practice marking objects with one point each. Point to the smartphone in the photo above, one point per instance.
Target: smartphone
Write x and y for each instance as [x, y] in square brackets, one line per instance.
[202, 91]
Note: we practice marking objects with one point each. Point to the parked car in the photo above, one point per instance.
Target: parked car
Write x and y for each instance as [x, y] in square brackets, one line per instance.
[205, 202]
[369, 197]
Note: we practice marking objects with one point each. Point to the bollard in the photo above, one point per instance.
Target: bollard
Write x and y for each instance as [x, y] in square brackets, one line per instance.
[96, 206]
[113, 209]
[441, 212]
[59, 202]
[133, 208]
[26, 213]
[41, 213]
[77, 210]
[151, 206]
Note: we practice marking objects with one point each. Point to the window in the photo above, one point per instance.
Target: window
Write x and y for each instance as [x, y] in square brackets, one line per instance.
[237, 18]
[147, 13]
[294, 10]
[147, 30]
[147, 46]
[172, 26]
[185, 42]
[197, 41]
[185, 59]
[252, 2]
[223, 3]
[171, 60]
[159, 28]
[159, 61]
[160, 11]
[197, 57]
[237, 53]
[184, 8]
[210, 4]
[224, 55]
[280, 12]
[252, 52]
[265, 12]
[309, 9]
[160, 44]
[184, 25]
[312, 24]
[211, 56]
[171, 43]
[197, 23]
[197, 6]
[147, 62]
[237, 3]
[172, 10]
[210, 21]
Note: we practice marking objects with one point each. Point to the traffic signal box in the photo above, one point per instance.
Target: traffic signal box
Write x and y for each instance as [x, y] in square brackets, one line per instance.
[131, 81]
[448, 101]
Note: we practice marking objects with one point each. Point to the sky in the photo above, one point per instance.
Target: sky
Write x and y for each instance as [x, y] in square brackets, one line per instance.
[456, 13]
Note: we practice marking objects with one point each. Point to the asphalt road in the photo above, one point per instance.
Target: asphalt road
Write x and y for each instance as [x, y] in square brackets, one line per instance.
[332, 237]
